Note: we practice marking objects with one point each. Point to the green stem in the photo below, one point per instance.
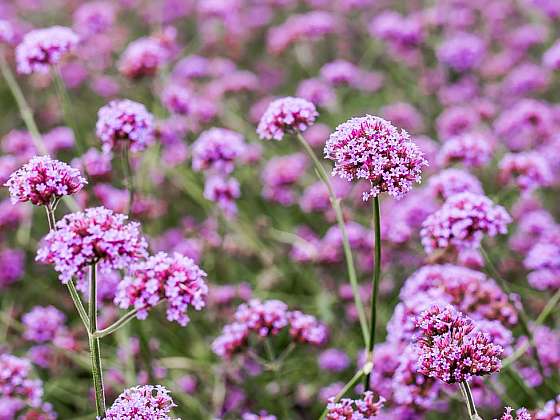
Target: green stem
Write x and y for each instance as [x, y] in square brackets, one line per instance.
[125, 319]
[469, 400]
[128, 179]
[375, 285]
[335, 202]
[95, 350]
[66, 106]
[347, 387]
[523, 318]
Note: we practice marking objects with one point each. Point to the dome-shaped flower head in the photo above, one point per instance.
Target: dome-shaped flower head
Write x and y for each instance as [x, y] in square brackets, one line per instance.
[95, 236]
[11, 266]
[224, 192]
[521, 414]
[177, 99]
[453, 181]
[550, 411]
[145, 402]
[371, 148]
[7, 32]
[452, 349]
[125, 121]
[462, 52]
[551, 57]
[142, 57]
[305, 328]
[16, 386]
[528, 170]
[217, 149]
[43, 181]
[42, 48]
[286, 115]
[462, 222]
[43, 323]
[94, 17]
[472, 150]
[361, 409]
[173, 278]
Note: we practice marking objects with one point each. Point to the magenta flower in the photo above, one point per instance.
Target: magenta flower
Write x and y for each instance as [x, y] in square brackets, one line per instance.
[452, 349]
[528, 171]
[263, 415]
[175, 279]
[145, 402]
[521, 414]
[550, 411]
[11, 266]
[306, 328]
[462, 222]
[142, 57]
[334, 360]
[177, 99]
[7, 33]
[373, 149]
[224, 192]
[453, 181]
[361, 409]
[286, 115]
[217, 150]
[125, 121]
[43, 323]
[95, 163]
[42, 48]
[462, 52]
[470, 149]
[96, 236]
[94, 17]
[551, 58]
[43, 181]
[16, 386]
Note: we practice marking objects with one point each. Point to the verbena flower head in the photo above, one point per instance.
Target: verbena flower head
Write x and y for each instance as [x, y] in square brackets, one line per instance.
[462, 222]
[177, 99]
[306, 328]
[528, 171]
[142, 57]
[11, 266]
[372, 149]
[224, 192]
[286, 115]
[145, 402]
[550, 411]
[470, 149]
[521, 414]
[125, 121]
[360, 409]
[334, 360]
[94, 17]
[42, 48]
[453, 181]
[95, 236]
[462, 51]
[43, 181]
[551, 57]
[175, 279]
[451, 349]
[16, 386]
[217, 149]
[263, 415]
[43, 323]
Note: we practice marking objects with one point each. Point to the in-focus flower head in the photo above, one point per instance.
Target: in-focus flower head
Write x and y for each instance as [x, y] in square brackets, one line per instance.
[95, 236]
[43, 181]
[145, 402]
[462, 222]
[125, 121]
[364, 408]
[371, 148]
[175, 279]
[42, 48]
[286, 115]
[452, 349]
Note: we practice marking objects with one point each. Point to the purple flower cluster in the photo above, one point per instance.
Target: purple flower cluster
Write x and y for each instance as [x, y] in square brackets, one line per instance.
[43, 324]
[267, 319]
[544, 261]
[175, 279]
[334, 360]
[42, 48]
[364, 408]
[11, 266]
[528, 170]
[373, 149]
[145, 402]
[550, 411]
[43, 181]
[217, 150]
[263, 415]
[96, 236]
[125, 121]
[521, 414]
[453, 181]
[94, 17]
[223, 192]
[95, 164]
[177, 99]
[143, 57]
[286, 115]
[462, 222]
[452, 349]
[470, 149]
[17, 389]
[462, 52]
[279, 176]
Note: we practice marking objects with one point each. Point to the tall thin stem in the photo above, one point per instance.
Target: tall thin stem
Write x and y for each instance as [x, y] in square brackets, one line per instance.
[66, 106]
[469, 400]
[128, 179]
[335, 203]
[375, 285]
[95, 350]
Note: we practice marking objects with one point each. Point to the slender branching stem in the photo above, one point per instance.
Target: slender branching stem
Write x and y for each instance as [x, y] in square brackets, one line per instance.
[335, 202]
[96, 368]
[128, 178]
[469, 400]
[366, 370]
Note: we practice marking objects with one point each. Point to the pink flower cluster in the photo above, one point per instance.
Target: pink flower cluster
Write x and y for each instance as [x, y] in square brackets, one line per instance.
[43, 324]
[544, 259]
[371, 148]
[177, 99]
[286, 115]
[550, 411]
[42, 48]
[267, 319]
[96, 236]
[43, 181]
[176, 279]
[528, 171]
[217, 150]
[11, 265]
[125, 121]
[470, 149]
[364, 408]
[142, 57]
[462, 51]
[223, 192]
[279, 176]
[453, 181]
[452, 349]
[462, 222]
[94, 17]
[17, 390]
[521, 414]
[145, 402]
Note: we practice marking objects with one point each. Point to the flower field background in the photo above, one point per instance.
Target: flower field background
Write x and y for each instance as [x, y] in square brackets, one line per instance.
[279, 209]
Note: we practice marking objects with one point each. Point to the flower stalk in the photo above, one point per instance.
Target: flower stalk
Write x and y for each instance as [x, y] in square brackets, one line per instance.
[469, 400]
[95, 350]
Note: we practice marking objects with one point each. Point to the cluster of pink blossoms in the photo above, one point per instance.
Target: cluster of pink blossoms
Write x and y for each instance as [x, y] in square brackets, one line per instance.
[223, 192]
[17, 390]
[177, 99]
[145, 402]
[176, 279]
[143, 57]
[550, 411]
[286, 115]
[372, 149]
[217, 150]
[452, 349]
[42, 48]
[43, 180]
[472, 150]
[521, 414]
[43, 324]
[453, 181]
[462, 222]
[267, 319]
[362, 409]
[125, 121]
[96, 236]
[528, 171]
